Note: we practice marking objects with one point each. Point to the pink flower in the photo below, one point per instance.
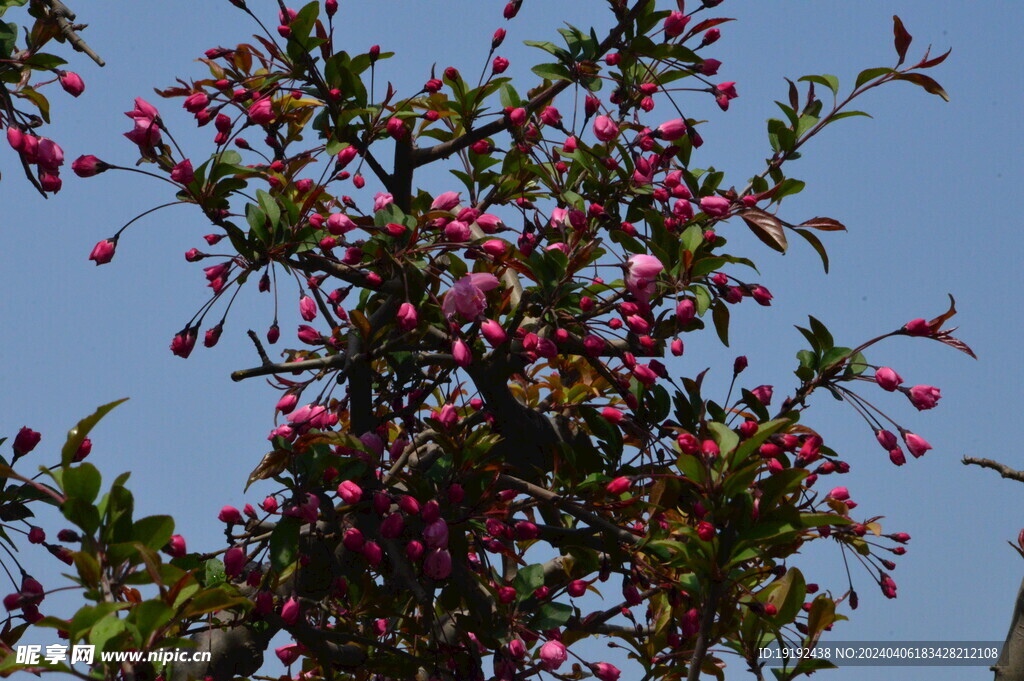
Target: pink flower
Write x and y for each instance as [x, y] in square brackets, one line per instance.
[605, 129]
[677, 347]
[763, 393]
[182, 173]
[463, 357]
[445, 201]
[611, 415]
[407, 317]
[290, 611]
[145, 133]
[288, 654]
[72, 83]
[499, 65]
[196, 102]
[709, 67]
[675, 24]
[493, 332]
[467, 295]
[176, 546]
[457, 231]
[917, 327]
[762, 295]
[396, 128]
[518, 116]
[642, 271]
[916, 444]
[839, 494]
[339, 223]
[25, 441]
[437, 564]
[924, 396]
[350, 492]
[307, 334]
[261, 112]
[307, 308]
[448, 416]
[234, 561]
[143, 109]
[617, 486]
[49, 155]
[672, 130]
[87, 166]
[606, 672]
[489, 224]
[887, 379]
[183, 342]
[231, 515]
[553, 655]
[435, 534]
[887, 439]
[550, 116]
[685, 311]
[286, 404]
[715, 206]
[380, 200]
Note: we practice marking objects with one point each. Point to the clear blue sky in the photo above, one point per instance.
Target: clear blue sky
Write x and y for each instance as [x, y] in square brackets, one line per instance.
[925, 188]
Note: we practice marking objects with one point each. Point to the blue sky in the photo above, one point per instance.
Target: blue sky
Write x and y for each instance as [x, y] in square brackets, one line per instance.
[925, 188]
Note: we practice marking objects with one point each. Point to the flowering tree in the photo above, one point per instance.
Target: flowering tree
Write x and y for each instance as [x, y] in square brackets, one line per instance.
[477, 427]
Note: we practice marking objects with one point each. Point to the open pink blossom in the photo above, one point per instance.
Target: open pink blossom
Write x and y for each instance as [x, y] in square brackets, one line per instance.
[467, 297]
[642, 272]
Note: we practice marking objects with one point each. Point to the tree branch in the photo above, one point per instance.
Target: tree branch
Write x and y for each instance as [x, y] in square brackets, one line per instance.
[1003, 470]
[64, 16]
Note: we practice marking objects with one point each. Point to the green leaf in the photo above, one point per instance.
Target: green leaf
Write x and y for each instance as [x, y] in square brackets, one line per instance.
[529, 579]
[7, 4]
[816, 244]
[871, 74]
[82, 482]
[269, 206]
[725, 436]
[213, 600]
[284, 543]
[77, 434]
[103, 631]
[8, 38]
[153, 531]
[551, 616]
[829, 81]
[848, 114]
[821, 332]
[550, 48]
[552, 71]
[720, 316]
[149, 616]
[257, 222]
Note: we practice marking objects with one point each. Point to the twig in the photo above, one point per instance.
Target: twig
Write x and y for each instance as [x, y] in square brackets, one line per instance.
[259, 348]
[64, 16]
[1003, 470]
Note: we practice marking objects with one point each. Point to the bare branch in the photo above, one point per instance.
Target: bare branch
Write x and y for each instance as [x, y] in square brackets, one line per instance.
[1003, 470]
[64, 16]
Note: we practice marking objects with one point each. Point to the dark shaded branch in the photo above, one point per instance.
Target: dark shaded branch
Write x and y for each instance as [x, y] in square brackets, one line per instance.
[331, 362]
[1010, 665]
[707, 621]
[1003, 470]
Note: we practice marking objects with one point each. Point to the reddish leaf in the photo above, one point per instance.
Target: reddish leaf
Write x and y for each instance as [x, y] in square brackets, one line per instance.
[937, 323]
[927, 63]
[794, 96]
[824, 225]
[767, 228]
[929, 84]
[956, 343]
[709, 23]
[902, 39]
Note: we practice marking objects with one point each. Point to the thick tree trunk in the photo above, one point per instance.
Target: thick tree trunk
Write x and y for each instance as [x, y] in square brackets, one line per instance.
[1010, 666]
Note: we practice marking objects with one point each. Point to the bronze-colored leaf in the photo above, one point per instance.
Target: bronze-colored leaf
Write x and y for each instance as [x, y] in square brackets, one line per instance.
[767, 228]
[824, 225]
[901, 38]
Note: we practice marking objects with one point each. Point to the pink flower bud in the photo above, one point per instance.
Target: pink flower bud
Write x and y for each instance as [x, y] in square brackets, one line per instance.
[461, 353]
[407, 317]
[25, 441]
[182, 173]
[672, 130]
[350, 492]
[493, 332]
[924, 396]
[917, 327]
[72, 83]
[234, 561]
[87, 166]
[183, 343]
[916, 444]
[606, 672]
[353, 540]
[290, 611]
[612, 415]
[373, 553]
[553, 655]
[675, 24]
[839, 494]
[705, 530]
[499, 65]
[618, 486]
[887, 379]
[36, 535]
[269, 504]
[230, 515]
[288, 654]
[897, 457]
[763, 393]
[438, 564]
[715, 206]
[103, 252]
[261, 112]
[762, 295]
[605, 129]
[176, 546]
[307, 308]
